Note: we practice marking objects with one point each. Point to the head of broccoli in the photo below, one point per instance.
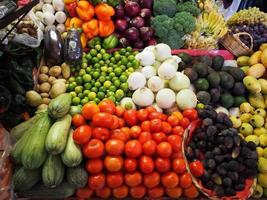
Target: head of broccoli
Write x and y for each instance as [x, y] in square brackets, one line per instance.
[188, 6]
[164, 7]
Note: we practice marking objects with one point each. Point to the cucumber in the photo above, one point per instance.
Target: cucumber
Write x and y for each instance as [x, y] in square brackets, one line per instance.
[58, 135]
[59, 106]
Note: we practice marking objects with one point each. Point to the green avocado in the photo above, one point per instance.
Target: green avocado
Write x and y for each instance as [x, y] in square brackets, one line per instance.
[237, 73]
[239, 100]
[202, 84]
[203, 97]
[217, 62]
[227, 81]
[214, 79]
[227, 100]
[201, 69]
[206, 59]
[186, 58]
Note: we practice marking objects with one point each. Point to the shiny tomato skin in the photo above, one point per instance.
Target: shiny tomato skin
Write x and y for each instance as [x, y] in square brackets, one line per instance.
[120, 192]
[84, 193]
[155, 115]
[178, 166]
[135, 131]
[149, 147]
[152, 179]
[119, 111]
[142, 115]
[137, 192]
[96, 181]
[100, 133]
[174, 192]
[185, 122]
[115, 124]
[94, 149]
[78, 120]
[191, 192]
[185, 180]
[191, 114]
[166, 128]
[156, 192]
[150, 109]
[144, 137]
[114, 179]
[133, 179]
[164, 117]
[130, 117]
[121, 122]
[176, 143]
[107, 106]
[155, 125]
[145, 126]
[159, 137]
[103, 120]
[164, 149]
[103, 193]
[178, 130]
[120, 134]
[130, 164]
[82, 134]
[169, 180]
[113, 163]
[162, 165]
[146, 164]
[133, 149]
[89, 109]
[173, 120]
[114, 147]
[94, 166]
[196, 168]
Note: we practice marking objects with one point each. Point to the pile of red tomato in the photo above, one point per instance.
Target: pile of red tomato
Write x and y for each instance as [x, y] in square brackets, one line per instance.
[134, 153]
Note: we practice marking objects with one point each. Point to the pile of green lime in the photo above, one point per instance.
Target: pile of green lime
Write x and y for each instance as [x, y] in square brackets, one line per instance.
[102, 75]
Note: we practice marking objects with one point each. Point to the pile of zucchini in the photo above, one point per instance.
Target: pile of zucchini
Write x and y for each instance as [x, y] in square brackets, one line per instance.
[48, 162]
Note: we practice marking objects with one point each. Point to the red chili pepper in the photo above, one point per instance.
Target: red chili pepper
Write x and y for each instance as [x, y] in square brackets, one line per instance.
[71, 8]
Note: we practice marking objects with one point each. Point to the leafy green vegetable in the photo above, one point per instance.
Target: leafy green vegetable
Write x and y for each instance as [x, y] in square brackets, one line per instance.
[190, 7]
[163, 7]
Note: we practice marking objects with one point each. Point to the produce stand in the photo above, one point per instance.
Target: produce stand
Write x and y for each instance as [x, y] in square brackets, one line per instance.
[133, 99]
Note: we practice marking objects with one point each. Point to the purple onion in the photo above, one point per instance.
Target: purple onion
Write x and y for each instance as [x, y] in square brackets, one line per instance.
[146, 33]
[145, 13]
[132, 9]
[139, 44]
[137, 22]
[121, 25]
[119, 12]
[132, 34]
[146, 3]
[124, 42]
[136, 1]
[152, 41]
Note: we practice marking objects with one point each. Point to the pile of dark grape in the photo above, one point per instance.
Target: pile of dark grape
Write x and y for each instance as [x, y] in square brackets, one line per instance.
[257, 31]
[227, 158]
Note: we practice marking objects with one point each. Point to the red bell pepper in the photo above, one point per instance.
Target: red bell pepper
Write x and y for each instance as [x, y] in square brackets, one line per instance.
[71, 8]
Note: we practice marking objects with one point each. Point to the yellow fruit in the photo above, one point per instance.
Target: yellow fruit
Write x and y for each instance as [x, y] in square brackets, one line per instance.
[255, 58]
[246, 107]
[256, 70]
[263, 83]
[263, 140]
[246, 129]
[259, 151]
[262, 166]
[256, 100]
[263, 46]
[252, 84]
[262, 179]
[260, 131]
[245, 117]
[253, 138]
[264, 152]
[264, 57]
[258, 192]
[243, 61]
[245, 69]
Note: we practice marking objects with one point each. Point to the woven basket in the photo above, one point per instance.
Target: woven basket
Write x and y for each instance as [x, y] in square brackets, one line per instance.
[233, 44]
[250, 184]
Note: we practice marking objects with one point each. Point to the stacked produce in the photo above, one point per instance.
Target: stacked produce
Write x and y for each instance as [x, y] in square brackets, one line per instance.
[135, 153]
[102, 75]
[227, 158]
[132, 23]
[172, 21]
[251, 21]
[45, 153]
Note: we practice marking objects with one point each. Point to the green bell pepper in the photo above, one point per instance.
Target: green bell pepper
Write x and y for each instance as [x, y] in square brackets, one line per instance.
[94, 41]
[110, 42]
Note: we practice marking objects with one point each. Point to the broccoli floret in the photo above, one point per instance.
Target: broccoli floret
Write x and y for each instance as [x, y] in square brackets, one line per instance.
[186, 20]
[174, 40]
[188, 6]
[164, 7]
[162, 24]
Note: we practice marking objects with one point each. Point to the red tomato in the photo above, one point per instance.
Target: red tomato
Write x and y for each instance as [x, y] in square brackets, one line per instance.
[103, 120]
[82, 134]
[162, 165]
[159, 137]
[133, 148]
[155, 125]
[150, 109]
[142, 115]
[177, 155]
[176, 142]
[185, 122]
[164, 149]
[152, 180]
[114, 147]
[120, 192]
[174, 192]
[96, 181]
[94, 149]
[178, 114]
[145, 126]
[155, 115]
[133, 179]
[119, 111]
[101, 133]
[144, 137]
[94, 166]
[173, 120]
[115, 122]
[146, 164]
[156, 192]
[149, 147]
[103, 193]
[121, 122]
[191, 192]
[113, 163]
[178, 130]
[135, 131]
[130, 117]
[130, 164]
[107, 106]
[114, 179]
[138, 192]
[166, 128]
[178, 166]
[196, 168]
[84, 193]
[169, 180]
[78, 120]
[185, 180]
[190, 113]
[89, 109]
[164, 117]
[120, 134]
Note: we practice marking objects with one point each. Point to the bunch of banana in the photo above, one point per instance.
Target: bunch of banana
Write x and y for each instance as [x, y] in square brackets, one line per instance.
[207, 5]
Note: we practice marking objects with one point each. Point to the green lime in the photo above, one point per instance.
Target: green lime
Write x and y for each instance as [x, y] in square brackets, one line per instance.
[87, 86]
[108, 78]
[102, 89]
[113, 88]
[123, 67]
[114, 79]
[70, 88]
[84, 100]
[131, 58]
[112, 98]
[127, 54]
[107, 84]
[106, 56]
[87, 78]
[122, 51]
[119, 63]
[91, 96]
[98, 47]
[117, 83]
[102, 79]
[102, 62]
[100, 95]
[80, 95]
[84, 65]
[84, 60]
[109, 93]
[112, 60]
[99, 56]
[97, 65]
[96, 74]
[92, 81]
[129, 65]
[107, 62]
[104, 68]
[97, 84]
[123, 78]
[86, 92]
[71, 79]
[117, 57]
[79, 89]
[88, 69]
[73, 94]
[124, 60]
[103, 74]
[97, 100]
[131, 70]
[76, 101]
[129, 49]
[119, 94]
[102, 51]
[135, 64]
[124, 87]
[112, 74]
[82, 72]
[118, 71]
[88, 56]
[95, 60]
[94, 89]
[110, 69]
[93, 52]
[74, 84]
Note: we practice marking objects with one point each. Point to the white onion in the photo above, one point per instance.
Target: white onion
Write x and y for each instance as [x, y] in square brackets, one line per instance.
[158, 109]
[48, 18]
[179, 82]
[136, 80]
[156, 65]
[40, 15]
[186, 99]
[61, 28]
[48, 1]
[48, 8]
[155, 83]
[165, 98]
[127, 103]
[58, 5]
[145, 58]
[143, 97]
[162, 52]
[150, 48]
[167, 71]
[39, 6]
[148, 71]
[60, 17]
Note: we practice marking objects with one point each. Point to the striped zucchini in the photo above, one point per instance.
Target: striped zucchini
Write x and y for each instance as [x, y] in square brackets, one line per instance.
[77, 176]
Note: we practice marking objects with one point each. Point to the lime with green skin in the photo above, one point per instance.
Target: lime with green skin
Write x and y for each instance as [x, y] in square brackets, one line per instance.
[76, 101]
[86, 92]
[119, 94]
[71, 79]
[91, 96]
[79, 80]
[88, 70]
[82, 72]
[107, 84]
[93, 52]
[87, 86]
[84, 100]
[87, 78]
[117, 83]
[94, 89]
[78, 89]
[73, 94]
[80, 95]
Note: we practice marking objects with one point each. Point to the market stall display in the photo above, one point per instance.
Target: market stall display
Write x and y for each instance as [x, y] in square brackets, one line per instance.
[114, 107]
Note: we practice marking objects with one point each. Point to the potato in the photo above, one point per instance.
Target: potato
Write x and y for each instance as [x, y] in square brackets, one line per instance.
[65, 68]
[46, 101]
[55, 71]
[51, 79]
[42, 78]
[44, 95]
[37, 88]
[61, 80]
[57, 89]
[42, 106]
[33, 98]
[45, 87]
[44, 70]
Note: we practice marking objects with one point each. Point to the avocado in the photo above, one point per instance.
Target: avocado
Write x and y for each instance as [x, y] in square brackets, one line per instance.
[215, 94]
[201, 69]
[203, 97]
[239, 89]
[210, 70]
[239, 100]
[206, 59]
[191, 74]
[182, 66]
[202, 84]
[226, 68]
[214, 79]
[217, 62]
[227, 81]
[186, 58]
[237, 73]
[227, 100]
